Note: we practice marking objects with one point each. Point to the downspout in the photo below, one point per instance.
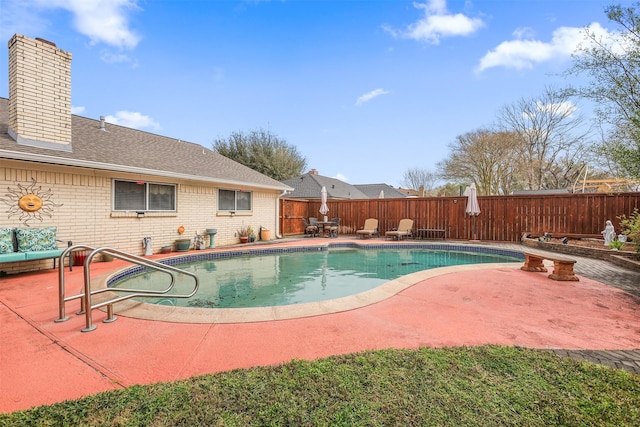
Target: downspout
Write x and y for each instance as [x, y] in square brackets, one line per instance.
[277, 233]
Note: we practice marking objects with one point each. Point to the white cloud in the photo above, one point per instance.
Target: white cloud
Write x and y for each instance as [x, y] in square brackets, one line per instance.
[564, 109]
[133, 120]
[17, 16]
[524, 33]
[370, 95]
[77, 110]
[525, 52]
[114, 58]
[437, 23]
[103, 21]
[341, 177]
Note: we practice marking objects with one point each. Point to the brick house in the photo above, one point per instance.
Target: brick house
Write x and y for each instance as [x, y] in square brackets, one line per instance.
[106, 185]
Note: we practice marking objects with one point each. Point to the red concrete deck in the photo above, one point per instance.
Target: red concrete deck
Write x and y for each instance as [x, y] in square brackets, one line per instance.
[43, 362]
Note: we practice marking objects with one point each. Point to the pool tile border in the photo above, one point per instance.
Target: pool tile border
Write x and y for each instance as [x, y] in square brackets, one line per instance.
[180, 259]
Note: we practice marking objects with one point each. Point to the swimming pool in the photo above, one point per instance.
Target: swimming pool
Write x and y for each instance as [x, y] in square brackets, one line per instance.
[288, 276]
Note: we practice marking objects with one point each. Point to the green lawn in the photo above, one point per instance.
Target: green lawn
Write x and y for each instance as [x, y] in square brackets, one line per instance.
[463, 386]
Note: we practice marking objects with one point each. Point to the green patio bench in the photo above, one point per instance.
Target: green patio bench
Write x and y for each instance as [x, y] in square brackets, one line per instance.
[29, 244]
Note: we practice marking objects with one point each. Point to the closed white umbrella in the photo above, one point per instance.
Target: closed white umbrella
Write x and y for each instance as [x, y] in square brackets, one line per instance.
[323, 197]
[473, 208]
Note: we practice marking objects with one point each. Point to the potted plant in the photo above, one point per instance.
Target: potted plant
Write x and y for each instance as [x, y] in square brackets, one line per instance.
[198, 241]
[252, 235]
[243, 234]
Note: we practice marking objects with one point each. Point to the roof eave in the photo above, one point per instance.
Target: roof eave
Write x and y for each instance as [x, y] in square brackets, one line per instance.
[41, 158]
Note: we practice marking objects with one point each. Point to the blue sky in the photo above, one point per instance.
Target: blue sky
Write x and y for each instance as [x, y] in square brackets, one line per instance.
[365, 89]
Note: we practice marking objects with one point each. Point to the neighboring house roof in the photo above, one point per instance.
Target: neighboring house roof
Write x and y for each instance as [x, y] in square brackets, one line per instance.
[309, 185]
[409, 192]
[123, 149]
[373, 191]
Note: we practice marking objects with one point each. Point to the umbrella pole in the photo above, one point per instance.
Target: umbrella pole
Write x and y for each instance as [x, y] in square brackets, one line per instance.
[475, 227]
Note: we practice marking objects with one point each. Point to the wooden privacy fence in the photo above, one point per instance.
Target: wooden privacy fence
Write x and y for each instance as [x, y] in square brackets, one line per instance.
[502, 218]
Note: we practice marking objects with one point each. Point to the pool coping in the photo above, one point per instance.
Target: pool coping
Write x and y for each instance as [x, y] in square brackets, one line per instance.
[147, 311]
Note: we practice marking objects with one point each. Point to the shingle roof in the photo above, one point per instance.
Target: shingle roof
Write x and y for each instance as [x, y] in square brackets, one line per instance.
[373, 191]
[308, 186]
[124, 149]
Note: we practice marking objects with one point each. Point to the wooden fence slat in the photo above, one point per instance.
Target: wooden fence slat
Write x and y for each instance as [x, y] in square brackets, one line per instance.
[502, 218]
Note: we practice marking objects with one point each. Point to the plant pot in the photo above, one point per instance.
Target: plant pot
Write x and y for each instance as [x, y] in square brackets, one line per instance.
[165, 250]
[252, 239]
[79, 257]
[244, 239]
[107, 257]
[182, 245]
[265, 234]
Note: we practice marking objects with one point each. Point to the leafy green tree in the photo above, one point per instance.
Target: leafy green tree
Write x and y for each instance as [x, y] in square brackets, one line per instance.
[612, 61]
[264, 152]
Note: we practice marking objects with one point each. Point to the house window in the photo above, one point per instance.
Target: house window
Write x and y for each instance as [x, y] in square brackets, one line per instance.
[143, 196]
[232, 200]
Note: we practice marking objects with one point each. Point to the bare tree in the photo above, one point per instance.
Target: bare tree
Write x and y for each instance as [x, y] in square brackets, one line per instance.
[553, 138]
[484, 157]
[420, 180]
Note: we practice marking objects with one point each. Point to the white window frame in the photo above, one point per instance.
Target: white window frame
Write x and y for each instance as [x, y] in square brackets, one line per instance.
[236, 207]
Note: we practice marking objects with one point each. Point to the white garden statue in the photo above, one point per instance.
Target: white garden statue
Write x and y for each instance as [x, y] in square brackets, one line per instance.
[609, 233]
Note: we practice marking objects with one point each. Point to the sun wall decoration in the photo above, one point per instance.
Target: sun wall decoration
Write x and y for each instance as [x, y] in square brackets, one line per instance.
[29, 202]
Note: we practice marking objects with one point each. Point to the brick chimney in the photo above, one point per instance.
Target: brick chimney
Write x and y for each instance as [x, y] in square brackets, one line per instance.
[39, 93]
[313, 172]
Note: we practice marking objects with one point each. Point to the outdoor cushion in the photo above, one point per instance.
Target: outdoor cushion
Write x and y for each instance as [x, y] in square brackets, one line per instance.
[36, 239]
[370, 227]
[405, 229]
[12, 257]
[43, 254]
[6, 240]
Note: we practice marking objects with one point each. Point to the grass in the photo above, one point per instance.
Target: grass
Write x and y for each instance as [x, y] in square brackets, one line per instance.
[462, 386]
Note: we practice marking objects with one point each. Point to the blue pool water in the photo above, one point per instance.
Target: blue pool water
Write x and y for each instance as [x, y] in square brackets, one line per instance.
[294, 277]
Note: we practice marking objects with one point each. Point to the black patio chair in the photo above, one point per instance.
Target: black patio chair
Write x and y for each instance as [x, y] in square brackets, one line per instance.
[310, 229]
[334, 227]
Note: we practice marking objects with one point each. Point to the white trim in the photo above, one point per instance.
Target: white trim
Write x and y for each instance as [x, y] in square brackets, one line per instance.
[16, 155]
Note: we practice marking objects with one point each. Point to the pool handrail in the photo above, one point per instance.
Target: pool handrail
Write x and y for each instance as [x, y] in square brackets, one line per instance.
[85, 296]
[138, 293]
[62, 317]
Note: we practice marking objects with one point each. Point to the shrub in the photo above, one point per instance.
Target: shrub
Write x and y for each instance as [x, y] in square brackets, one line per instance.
[631, 228]
[616, 244]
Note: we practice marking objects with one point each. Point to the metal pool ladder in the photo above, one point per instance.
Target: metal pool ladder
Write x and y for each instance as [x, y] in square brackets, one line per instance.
[86, 307]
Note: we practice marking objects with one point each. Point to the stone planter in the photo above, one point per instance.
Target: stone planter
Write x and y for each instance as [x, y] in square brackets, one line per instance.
[624, 259]
[182, 245]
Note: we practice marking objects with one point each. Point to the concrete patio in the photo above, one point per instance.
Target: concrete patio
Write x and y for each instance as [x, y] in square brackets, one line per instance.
[42, 362]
